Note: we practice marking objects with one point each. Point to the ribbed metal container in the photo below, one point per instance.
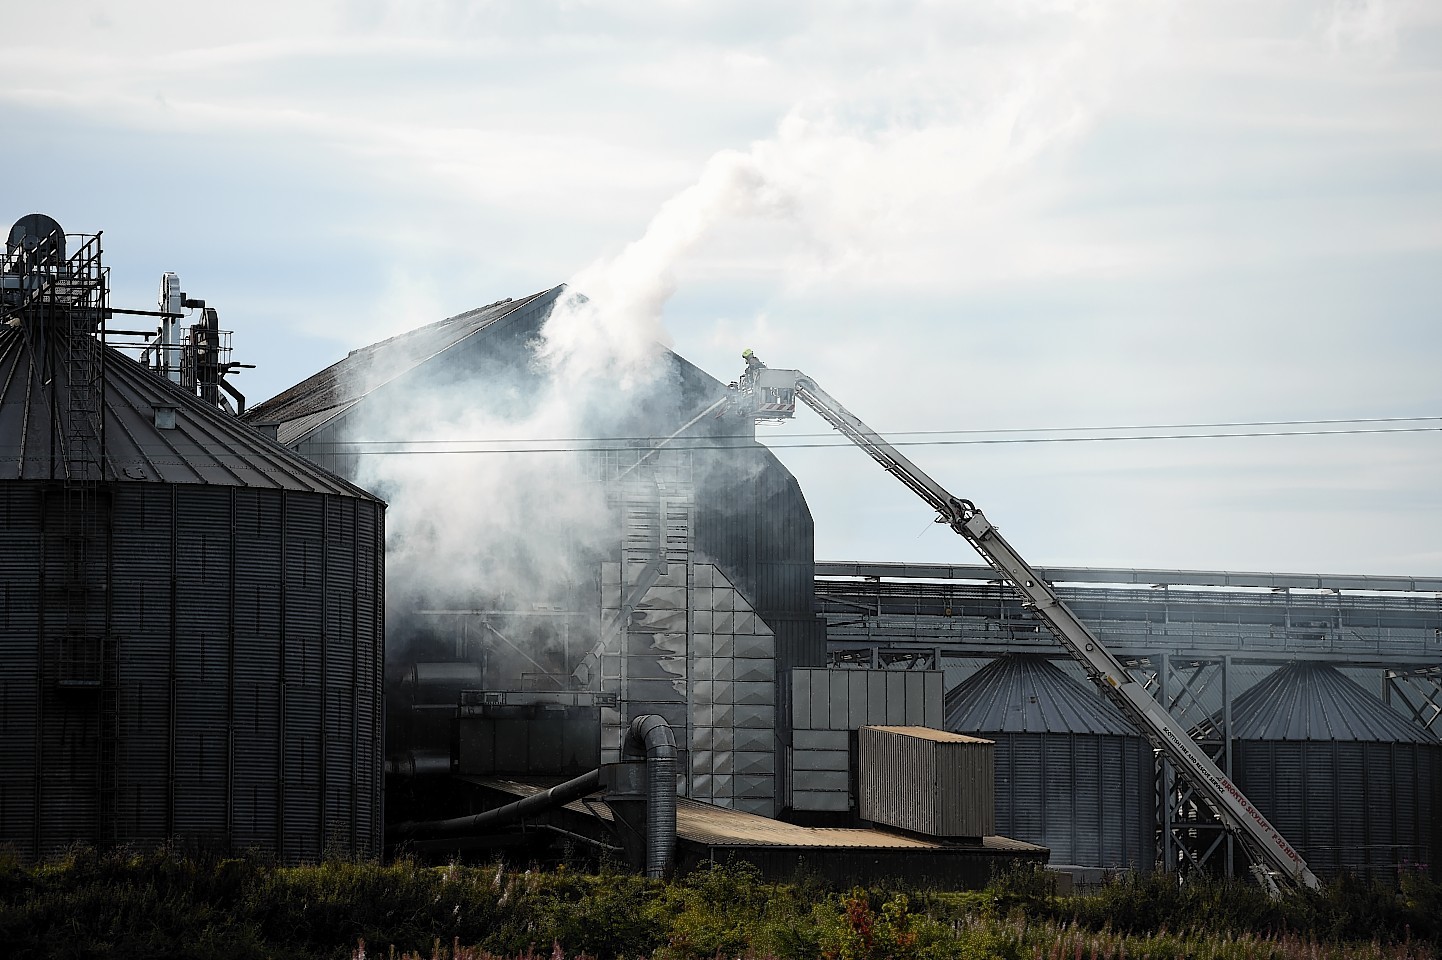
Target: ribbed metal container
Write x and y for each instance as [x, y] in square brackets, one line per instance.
[1071, 773]
[926, 781]
[1354, 786]
[234, 593]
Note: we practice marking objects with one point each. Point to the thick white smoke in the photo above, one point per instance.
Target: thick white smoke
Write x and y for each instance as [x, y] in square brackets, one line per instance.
[610, 326]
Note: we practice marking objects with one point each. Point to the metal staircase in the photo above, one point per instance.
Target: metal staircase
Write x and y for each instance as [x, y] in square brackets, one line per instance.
[61, 304]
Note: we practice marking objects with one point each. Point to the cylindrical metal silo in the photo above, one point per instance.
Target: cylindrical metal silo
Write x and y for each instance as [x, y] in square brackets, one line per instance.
[191, 624]
[1354, 786]
[1071, 773]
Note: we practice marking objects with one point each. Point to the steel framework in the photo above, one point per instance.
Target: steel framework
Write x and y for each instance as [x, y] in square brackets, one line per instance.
[1185, 634]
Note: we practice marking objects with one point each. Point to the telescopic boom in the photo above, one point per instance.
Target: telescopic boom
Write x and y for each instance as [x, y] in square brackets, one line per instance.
[771, 394]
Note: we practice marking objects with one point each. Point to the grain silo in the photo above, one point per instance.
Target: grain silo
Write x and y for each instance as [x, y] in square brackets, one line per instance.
[190, 615]
[1071, 773]
[1352, 784]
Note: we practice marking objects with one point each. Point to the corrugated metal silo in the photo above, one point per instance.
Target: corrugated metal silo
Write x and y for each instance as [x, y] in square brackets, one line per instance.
[1071, 772]
[190, 619]
[1351, 784]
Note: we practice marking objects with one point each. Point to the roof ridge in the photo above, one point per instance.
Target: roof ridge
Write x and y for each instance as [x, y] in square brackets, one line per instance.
[323, 389]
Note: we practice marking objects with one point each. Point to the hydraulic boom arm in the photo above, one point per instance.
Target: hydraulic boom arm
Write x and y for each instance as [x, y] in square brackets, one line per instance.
[771, 394]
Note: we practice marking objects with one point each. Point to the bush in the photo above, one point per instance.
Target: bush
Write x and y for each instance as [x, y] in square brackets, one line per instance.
[162, 904]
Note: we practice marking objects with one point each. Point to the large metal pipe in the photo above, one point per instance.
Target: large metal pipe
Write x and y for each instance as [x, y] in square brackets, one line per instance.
[651, 737]
[419, 763]
[442, 682]
[557, 796]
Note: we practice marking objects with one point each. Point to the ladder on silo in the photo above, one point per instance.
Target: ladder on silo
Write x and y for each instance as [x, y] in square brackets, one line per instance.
[75, 302]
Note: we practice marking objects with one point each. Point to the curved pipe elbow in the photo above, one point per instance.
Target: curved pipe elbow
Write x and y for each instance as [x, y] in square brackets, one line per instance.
[650, 737]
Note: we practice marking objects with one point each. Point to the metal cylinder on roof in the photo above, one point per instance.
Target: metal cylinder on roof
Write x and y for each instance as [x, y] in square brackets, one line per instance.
[1353, 785]
[191, 626]
[1072, 773]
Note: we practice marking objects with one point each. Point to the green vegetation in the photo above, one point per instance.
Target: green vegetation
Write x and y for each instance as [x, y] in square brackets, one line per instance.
[161, 905]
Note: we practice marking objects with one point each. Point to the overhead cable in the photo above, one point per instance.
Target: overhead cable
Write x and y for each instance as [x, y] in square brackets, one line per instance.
[407, 447]
[932, 433]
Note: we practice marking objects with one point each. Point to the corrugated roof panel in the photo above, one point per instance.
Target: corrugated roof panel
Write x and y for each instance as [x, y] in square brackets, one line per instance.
[292, 431]
[721, 826]
[1026, 693]
[205, 446]
[1314, 701]
[926, 733]
[316, 399]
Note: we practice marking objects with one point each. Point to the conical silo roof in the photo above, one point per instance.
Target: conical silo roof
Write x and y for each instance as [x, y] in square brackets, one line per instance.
[1027, 693]
[1314, 701]
[203, 446]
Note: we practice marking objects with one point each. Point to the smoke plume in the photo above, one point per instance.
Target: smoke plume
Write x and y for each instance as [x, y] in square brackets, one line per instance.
[610, 325]
[843, 183]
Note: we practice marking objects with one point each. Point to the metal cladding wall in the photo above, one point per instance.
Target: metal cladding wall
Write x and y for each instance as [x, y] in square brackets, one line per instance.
[1354, 786]
[245, 693]
[1089, 797]
[1369, 809]
[752, 519]
[1071, 772]
[927, 781]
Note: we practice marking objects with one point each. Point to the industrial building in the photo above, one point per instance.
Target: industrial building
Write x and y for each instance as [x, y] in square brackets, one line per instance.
[215, 630]
[695, 604]
[1321, 696]
[694, 598]
[898, 641]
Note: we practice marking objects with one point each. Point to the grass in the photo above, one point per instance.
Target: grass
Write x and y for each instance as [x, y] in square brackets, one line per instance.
[162, 905]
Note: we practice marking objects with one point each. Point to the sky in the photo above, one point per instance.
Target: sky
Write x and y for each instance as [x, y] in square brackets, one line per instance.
[1056, 216]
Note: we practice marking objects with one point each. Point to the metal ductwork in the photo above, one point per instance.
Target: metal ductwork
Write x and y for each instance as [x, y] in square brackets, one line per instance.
[651, 737]
[419, 763]
[557, 796]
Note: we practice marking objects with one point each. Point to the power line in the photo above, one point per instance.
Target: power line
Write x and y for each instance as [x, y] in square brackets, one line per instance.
[924, 433]
[706, 444]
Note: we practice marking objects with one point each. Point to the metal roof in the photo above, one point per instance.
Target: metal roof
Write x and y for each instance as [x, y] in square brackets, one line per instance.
[926, 733]
[1026, 693]
[334, 390]
[205, 446]
[719, 826]
[711, 825]
[1314, 701]
[1137, 576]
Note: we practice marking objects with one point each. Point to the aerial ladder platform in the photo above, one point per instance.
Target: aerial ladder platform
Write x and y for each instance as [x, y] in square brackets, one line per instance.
[767, 393]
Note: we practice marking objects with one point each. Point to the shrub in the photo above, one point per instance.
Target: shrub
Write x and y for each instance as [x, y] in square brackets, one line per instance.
[163, 904]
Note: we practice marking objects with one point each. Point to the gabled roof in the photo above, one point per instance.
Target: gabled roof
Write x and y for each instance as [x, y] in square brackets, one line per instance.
[1314, 701]
[1027, 693]
[204, 445]
[334, 390]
